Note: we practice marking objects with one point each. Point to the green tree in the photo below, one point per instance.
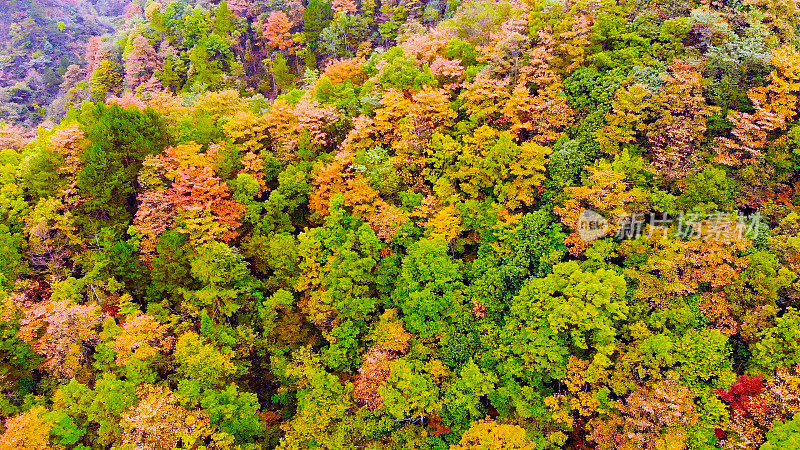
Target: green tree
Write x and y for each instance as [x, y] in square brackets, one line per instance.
[280, 73]
[107, 78]
[779, 346]
[463, 399]
[234, 412]
[170, 270]
[224, 20]
[11, 263]
[201, 366]
[340, 276]
[783, 435]
[410, 391]
[323, 406]
[120, 140]
[227, 284]
[316, 16]
[429, 289]
[569, 312]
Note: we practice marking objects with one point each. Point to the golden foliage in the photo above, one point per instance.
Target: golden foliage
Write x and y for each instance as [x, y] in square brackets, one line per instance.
[142, 338]
[608, 193]
[652, 417]
[678, 131]
[775, 107]
[27, 431]
[491, 435]
[63, 333]
[340, 70]
[158, 422]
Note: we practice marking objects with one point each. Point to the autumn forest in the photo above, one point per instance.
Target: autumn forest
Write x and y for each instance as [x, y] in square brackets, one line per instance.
[399, 224]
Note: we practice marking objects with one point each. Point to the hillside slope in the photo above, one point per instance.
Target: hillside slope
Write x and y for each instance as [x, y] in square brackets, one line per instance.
[39, 40]
[487, 224]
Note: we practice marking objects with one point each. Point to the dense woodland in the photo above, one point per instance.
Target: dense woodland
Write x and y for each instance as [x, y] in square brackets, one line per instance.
[39, 41]
[298, 224]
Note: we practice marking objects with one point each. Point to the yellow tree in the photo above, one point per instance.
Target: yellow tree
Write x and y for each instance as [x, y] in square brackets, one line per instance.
[282, 124]
[574, 43]
[675, 269]
[63, 333]
[52, 234]
[341, 70]
[219, 103]
[159, 422]
[652, 417]
[542, 117]
[629, 111]
[607, 193]
[69, 142]
[528, 174]
[142, 338]
[407, 122]
[491, 435]
[681, 112]
[775, 108]
[27, 431]
[248, 130]
[329, 180]
[484, 98]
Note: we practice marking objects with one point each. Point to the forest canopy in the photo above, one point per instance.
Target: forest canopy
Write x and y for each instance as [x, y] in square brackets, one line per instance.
[472, 224]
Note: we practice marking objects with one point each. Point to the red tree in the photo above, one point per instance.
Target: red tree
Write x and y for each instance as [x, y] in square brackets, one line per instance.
[277, 30]
[740, 394]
